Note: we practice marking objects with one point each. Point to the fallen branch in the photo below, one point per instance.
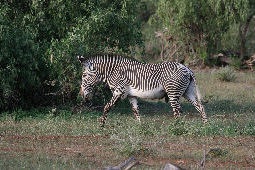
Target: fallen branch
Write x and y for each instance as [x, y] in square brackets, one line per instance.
[132, 165]
[168, 166]
[120, 166]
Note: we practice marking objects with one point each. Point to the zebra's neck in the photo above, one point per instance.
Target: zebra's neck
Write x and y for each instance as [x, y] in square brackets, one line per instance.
[106, 63]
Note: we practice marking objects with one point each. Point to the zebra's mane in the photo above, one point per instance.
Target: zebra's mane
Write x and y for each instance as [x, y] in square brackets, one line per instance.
[112, 56]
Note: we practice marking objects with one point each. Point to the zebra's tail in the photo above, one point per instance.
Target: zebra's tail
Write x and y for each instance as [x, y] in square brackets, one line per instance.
[199, 97]
[193, 78]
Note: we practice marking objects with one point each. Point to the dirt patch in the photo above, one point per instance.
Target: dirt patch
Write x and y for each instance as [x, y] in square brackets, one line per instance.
[186, 152]
[49, 137]
[54, 145]
[16, 150]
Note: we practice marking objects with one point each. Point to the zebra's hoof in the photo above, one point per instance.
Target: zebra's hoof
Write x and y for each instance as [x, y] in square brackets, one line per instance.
[102, 122]
[177, 116]
[206, 122]
[138, 120]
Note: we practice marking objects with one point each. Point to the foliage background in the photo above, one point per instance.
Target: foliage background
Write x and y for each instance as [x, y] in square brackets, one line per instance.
[40, 39]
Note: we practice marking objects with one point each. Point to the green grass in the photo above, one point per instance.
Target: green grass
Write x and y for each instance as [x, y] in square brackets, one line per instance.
[59, 139]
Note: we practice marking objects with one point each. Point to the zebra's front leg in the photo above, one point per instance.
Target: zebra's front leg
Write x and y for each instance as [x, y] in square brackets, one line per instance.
[107, 108]
[135, 108]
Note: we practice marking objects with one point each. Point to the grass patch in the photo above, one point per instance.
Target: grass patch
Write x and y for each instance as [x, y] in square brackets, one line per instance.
[58, 138]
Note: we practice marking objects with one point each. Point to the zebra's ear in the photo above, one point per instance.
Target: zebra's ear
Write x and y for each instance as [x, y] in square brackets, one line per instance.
[81, 58]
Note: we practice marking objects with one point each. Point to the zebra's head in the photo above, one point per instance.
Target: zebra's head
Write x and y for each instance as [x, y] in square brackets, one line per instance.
[89, 79]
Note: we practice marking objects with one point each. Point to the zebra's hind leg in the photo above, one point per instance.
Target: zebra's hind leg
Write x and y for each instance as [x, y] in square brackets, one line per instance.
[175, 104]
[107, 108]
[135, 108]
[191, 97]
[199, 107]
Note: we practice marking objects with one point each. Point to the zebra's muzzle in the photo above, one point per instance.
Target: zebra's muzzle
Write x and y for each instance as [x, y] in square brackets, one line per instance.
[87, 96]
[87, 99]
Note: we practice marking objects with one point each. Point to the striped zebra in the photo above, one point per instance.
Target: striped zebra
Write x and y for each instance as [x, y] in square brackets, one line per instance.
[128, 78]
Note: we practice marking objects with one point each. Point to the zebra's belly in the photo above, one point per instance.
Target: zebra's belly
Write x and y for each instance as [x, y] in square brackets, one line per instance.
[157, 93]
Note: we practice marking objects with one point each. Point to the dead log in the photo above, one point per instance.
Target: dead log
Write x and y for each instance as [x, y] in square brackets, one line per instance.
[224, 58]
[129, 164]
[251, 62]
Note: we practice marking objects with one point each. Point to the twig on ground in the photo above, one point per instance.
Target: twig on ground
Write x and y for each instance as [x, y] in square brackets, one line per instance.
[132, 165]
[120, 166]
[203, 161]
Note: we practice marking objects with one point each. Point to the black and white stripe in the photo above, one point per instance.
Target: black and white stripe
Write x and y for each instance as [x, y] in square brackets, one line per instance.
[129, 78]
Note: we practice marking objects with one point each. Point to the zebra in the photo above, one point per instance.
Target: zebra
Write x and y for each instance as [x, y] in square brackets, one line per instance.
[129, 78]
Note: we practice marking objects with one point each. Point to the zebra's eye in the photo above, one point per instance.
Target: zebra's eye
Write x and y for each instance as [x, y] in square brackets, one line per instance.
[85, 76]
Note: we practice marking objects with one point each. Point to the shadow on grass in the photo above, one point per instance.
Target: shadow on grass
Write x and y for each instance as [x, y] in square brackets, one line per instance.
[47, 112]
[149, 108]
[216, 107]
[221, 107]
[228, 107]
[145, 107]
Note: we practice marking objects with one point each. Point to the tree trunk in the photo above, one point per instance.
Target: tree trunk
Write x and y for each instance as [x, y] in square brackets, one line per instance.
[243, 30]
[242, 44]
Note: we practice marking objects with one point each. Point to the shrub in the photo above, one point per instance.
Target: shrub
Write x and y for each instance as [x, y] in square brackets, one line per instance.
[236, 63]
[23, 69]
[99, 32]
[226, 74]
[39, 44]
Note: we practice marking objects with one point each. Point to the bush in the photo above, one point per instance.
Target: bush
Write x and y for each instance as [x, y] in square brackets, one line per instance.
[226, 74]
[99, 32]
[23, 69]
[40, 40]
